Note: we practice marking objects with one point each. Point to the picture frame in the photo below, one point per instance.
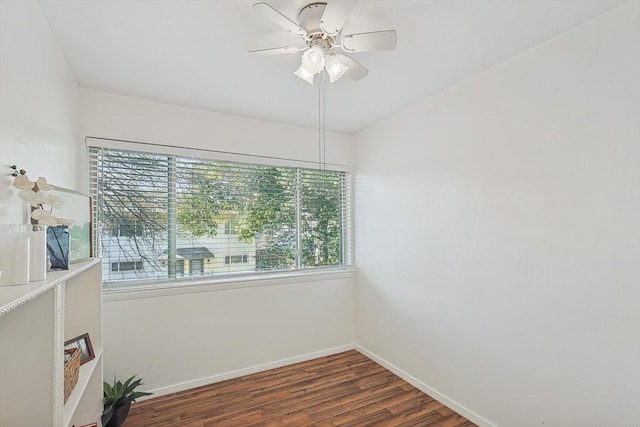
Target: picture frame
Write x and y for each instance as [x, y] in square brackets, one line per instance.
[83, 342]
[77, 207]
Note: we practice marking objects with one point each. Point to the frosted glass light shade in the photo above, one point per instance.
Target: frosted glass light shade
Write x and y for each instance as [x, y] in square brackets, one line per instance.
[313, 59]
[335, 68]
[304, 74]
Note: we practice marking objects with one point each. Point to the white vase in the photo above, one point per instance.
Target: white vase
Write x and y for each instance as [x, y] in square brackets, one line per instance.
[38, 252]
[14, 256]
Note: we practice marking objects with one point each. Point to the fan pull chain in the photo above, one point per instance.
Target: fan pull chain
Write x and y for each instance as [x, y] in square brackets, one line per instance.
[322, 137]
[324, 125]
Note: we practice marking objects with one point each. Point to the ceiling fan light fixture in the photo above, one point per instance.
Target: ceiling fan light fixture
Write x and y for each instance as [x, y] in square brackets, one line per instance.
[335, 68]
[320, 25]
[313, 59]
[304, 74]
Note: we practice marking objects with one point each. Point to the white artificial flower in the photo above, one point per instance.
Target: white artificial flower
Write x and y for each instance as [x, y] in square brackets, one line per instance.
[54, 201]
[64, 221]
[43, 184]
[35, 199]
[27, 195]
[50, 221]
[40, 214]
[45, 218]
[23, 183]
[39, 199]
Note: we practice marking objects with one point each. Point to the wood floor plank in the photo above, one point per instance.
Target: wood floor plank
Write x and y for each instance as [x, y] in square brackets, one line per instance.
[345, 389]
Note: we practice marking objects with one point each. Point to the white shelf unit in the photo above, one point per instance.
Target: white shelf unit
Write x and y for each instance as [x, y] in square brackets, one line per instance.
[35, 321]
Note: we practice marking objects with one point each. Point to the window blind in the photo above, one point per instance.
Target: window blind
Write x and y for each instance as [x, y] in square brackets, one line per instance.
[177, 217]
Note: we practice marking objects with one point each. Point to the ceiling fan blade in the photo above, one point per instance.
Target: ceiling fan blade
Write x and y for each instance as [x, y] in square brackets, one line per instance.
[277, 50]
[364, 42]
[280, 19]
[335, 15]
[356, 71]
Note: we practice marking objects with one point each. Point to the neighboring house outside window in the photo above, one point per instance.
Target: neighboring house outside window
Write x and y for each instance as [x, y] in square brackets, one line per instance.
[195, 261]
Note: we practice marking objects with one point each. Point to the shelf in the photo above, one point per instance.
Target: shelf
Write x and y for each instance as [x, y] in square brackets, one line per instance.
[12, 297]
[35, 320]
[86, 372]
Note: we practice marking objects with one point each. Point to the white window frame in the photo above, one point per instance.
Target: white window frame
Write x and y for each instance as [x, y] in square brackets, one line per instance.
[242, 279]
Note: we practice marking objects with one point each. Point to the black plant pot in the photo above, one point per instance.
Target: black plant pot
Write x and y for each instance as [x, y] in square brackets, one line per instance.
[119, 415]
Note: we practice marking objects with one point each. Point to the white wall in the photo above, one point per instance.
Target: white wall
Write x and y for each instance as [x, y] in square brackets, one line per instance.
[38, 106]
[114, 116]
[498, 235]
[178, 340]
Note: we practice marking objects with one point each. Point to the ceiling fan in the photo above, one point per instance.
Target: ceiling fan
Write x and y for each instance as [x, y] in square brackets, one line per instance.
[320, 25]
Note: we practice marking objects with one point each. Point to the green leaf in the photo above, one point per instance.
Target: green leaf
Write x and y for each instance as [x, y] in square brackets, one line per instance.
[119, 394]
[107, 413]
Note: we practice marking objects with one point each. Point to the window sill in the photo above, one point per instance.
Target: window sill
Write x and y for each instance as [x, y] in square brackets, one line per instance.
[179, 287]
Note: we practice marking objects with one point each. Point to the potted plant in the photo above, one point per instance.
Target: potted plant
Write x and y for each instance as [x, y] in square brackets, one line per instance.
[117, 400]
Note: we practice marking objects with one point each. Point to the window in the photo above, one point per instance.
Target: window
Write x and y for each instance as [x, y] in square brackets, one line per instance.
[236, 259]
[231, 227]
[128, 230]
[196, 266]
[126, 266]
[184, 215]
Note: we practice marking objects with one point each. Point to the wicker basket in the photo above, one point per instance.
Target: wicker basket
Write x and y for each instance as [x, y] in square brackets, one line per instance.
[71, 370]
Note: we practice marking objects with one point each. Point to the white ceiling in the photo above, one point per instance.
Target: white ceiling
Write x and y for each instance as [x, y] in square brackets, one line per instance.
[194, 52]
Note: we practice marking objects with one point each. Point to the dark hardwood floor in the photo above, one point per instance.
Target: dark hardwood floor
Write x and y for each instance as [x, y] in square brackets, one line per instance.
[345, 389]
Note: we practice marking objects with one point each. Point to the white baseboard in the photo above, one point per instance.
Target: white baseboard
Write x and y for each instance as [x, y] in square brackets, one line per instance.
[174, 388]
[445, 400]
